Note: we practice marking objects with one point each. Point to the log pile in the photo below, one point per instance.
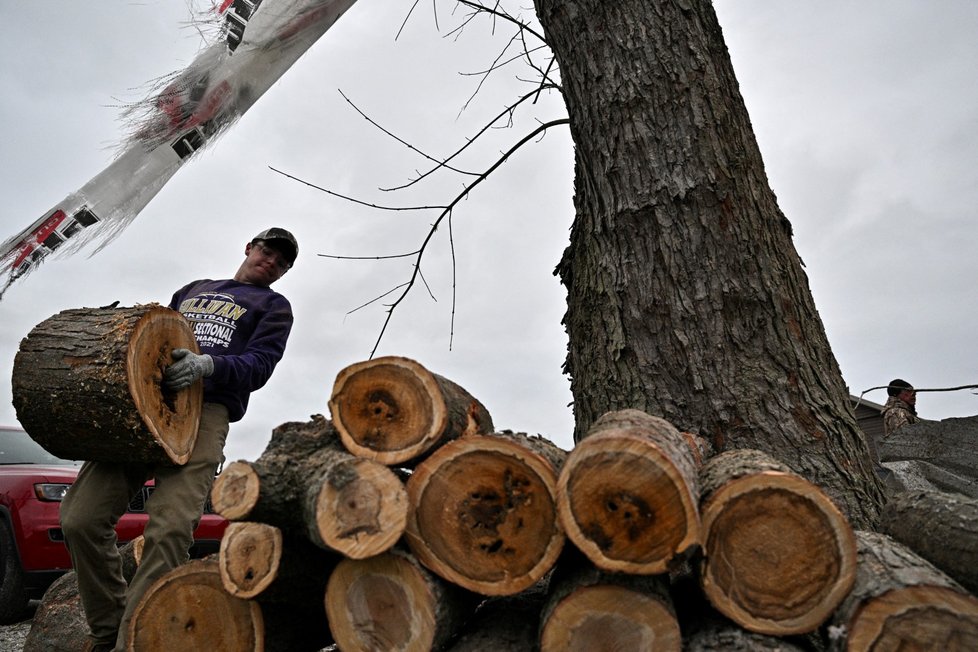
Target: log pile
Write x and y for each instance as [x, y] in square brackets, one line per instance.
[406, 522]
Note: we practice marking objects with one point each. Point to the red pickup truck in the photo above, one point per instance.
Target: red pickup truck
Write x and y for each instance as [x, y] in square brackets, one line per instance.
[32, 548]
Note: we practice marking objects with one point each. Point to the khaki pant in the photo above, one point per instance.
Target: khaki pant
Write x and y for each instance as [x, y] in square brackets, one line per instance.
[100, 496]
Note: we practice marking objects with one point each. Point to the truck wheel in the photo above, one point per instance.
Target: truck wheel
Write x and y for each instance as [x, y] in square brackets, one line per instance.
[13, 600]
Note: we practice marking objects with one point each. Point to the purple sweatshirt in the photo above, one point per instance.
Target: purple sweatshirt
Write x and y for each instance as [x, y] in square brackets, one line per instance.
[244, 329]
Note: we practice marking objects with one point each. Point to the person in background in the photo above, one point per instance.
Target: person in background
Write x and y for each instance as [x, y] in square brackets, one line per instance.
[900, 408]
[241, 326]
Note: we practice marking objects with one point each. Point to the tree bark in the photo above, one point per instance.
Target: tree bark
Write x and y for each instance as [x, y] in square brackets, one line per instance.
[934, 455]
[307, 482]
[188, 609]
[779, 557]
[722, 635]
[257, 561]
[591, 610]
[504, 623]
[901, 602]
[391, 602]
[686, 297]
[628, 494]
[86, 385]
[395, 411]
[483, 512]
[59, 624]
[942, 528]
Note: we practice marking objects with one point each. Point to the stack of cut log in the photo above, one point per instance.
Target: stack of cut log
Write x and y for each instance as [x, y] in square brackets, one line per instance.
[407, 522]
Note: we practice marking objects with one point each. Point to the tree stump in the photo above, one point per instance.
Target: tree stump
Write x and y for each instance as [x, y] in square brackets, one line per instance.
[588, 609]
[188, 609]
[86, 385]
[901, 602]
[940, 527]
[778, 554]
[59, 624]
[307, 482]
[391, 602]
[394, 411]
[483, 512]
[628, 494]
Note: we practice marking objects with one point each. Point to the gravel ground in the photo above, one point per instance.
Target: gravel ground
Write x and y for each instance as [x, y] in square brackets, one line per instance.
[12, 637]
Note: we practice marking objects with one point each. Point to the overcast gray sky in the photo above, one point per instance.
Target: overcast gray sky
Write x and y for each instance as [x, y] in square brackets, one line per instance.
[866, 113]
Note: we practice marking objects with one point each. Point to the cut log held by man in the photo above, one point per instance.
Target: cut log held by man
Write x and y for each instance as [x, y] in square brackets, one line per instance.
[86, 385]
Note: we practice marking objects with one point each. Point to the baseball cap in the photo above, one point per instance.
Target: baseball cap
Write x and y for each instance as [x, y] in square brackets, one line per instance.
[284, 240]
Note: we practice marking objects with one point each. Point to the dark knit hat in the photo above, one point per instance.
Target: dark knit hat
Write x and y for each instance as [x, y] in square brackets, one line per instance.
[896, 386]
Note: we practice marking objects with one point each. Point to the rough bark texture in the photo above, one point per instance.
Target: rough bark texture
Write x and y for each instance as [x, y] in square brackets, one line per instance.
[59, 623]
[257, 561]
[188, 609]
[588, 609]
[395, 411]
[942, 528]
[721, 635]
[902, 602]
[484, 511]
[86, 385]
[628, 494]
[934, 455]
[306, 482]
[391, 602]
[504, 624]
[686, 297]
[779, 557]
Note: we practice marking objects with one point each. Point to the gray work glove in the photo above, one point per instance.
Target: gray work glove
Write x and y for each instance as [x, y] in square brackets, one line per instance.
[186, 369]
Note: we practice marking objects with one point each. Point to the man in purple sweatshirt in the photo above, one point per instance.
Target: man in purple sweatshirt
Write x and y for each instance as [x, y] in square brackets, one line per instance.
[241, 326]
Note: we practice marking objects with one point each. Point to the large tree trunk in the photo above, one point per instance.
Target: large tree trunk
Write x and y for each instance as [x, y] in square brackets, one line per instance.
[86, 385]
[686, 297]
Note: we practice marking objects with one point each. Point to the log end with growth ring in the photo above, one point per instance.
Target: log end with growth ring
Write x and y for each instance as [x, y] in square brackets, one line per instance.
[484, 515]
[361, 508]
[381, 603]
[779, 555]
[236, 491]
[626, 505]
[249, 558]
[188, 609]
[389, 409]
[172, 417]
[607, 617]
[917, 618]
